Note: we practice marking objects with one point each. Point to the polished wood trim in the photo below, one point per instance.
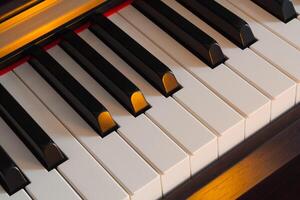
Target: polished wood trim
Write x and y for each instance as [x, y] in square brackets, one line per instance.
[26, 14]
[283, 184]
[11, 8]
[41, 20]
[248, 163]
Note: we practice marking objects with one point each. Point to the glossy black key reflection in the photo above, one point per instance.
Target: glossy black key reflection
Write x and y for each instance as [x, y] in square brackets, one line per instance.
[152, 69]
[104, 73]
[12, 178]
[32, 135]
[87, 106]
[224, 21]
[282, 9]
[192, 38]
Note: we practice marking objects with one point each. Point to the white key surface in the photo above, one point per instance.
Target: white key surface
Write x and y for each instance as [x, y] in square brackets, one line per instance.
[269, 46]
[20, 195]
[144, 136]
[43, 184]
[190, 134]
[131, 171]
[229, 86]
[288, 31]
[255, 70]
[81, 170]
[297, 7]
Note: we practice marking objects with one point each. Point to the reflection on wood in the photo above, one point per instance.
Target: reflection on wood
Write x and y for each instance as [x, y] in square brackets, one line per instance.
[283, 184]
[10, 8]
[255, 167]
[39, 20]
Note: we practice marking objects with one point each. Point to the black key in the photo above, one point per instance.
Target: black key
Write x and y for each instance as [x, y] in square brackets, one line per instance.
[104, 73]
[192, 38]
[223, 20]
[11, 177]
[282, 9]
[92, 111]
[32, 135]
[159, 75]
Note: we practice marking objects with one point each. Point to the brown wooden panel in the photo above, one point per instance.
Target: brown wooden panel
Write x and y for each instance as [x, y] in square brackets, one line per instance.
[283, 184]
[10, 8]
[39, 20]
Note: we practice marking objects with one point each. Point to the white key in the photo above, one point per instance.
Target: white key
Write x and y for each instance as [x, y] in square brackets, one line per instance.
[131, 171]
[230, 87]
[288, 31]
[181, 126]
[20, 195]
[81, 170]
[147, 139]
[211, 110]
[297, 7]
[43, 184]
[269, 46]
[256, 71]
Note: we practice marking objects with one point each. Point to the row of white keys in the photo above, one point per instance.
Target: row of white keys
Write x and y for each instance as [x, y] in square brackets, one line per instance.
[119, 159]
[249, 102]
[255, 70]
[81, 170]
[279, 88]
[288, 31]
[181, 126]
[43, 184]
[145, 137]
[253, 105]
[272, 48]
[20, 195]
[194, 96]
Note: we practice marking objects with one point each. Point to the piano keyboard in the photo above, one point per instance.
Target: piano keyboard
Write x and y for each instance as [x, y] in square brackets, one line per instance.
[144, 99]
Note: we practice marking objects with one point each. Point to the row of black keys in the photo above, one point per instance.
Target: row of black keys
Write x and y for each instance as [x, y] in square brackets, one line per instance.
[159, 75]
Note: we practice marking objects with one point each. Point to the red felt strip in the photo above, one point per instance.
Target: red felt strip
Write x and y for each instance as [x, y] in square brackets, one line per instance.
[52, 44]
[117, 8]
[83, 27]
[13, 66]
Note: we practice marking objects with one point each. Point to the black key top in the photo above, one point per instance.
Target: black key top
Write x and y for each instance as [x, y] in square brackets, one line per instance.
[11, 177]
[92, 111]
[224, 21]
[32, 135]
[159, 75]
[282, 9]
[104, 73]
[195, 40]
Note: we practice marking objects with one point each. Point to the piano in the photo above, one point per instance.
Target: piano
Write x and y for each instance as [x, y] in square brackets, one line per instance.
[161, 99]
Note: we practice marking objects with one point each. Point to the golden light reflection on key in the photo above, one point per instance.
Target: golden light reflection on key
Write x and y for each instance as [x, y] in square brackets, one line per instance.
[106, 122]
[138, 102]
[215, 52]
[170, 83]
